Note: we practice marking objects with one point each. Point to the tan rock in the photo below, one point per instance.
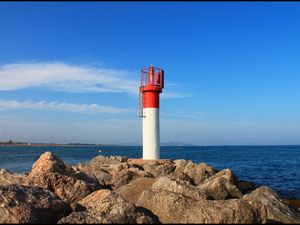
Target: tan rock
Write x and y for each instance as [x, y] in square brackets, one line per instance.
[49, 163]
[101, 162]
[177, 186]
[109, 207]
[132, 191]
[26, 204]
[271, 207]
[67, 188]
[82, 218]
[173, 207]
[221, 186]
[53, 174]
[159, 168]
[7, 178]
[198, 172]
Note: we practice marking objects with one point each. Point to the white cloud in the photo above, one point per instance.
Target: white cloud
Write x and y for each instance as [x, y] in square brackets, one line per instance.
[65, 77]
[60, 106]
[59, 76]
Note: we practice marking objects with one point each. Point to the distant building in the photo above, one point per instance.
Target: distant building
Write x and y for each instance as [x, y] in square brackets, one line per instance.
[28, 143]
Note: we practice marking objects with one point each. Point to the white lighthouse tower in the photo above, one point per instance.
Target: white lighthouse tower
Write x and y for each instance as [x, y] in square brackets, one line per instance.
[152, 83]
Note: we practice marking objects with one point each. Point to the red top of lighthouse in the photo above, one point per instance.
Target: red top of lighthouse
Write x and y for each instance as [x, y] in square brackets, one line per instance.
[152, 79]
[152, 83]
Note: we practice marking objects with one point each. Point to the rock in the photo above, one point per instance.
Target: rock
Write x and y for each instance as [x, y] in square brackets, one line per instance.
[26, 204]
[271, 206]
[112, 172]
[171, 207]
[180, 164]
[159, 168]
[198, 172]
[121, 178]
[109, 207]
[67, 188]
[82, 218]
[102, 176]
[7, 178]
[182, 177]
[221, 186]
[100, 162]
[49, 163]
[177, 186]
[132, 191]
[51, 173]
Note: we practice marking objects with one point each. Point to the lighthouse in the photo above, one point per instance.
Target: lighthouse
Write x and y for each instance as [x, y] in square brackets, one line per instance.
[152, 83]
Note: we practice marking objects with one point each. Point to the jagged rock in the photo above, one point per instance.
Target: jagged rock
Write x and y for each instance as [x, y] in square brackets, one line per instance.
[67, 188]
[180, 164]
[271, 206]
[101, 161]
[28, 204]
[182, 177]
[221, 186]
[132, 191]
[82, 218]
[101, 176]
[177, 186]
[123, 176]
[158, 169]
[49, 163]
[51, 173]
[173, 207]
[198, 172]
[114, 175]
[109, 207]
[7, 178]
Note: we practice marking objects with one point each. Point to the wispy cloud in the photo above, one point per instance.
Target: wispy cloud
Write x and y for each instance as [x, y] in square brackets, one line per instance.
[60, 106]
[66, 77]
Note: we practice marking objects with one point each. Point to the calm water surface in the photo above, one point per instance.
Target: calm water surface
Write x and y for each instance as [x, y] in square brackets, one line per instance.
[275, 166]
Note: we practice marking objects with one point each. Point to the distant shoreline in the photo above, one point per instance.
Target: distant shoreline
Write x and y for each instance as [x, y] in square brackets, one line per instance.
[45, 145]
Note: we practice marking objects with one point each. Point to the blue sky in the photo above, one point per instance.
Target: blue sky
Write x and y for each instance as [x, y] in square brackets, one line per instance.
[69, 72]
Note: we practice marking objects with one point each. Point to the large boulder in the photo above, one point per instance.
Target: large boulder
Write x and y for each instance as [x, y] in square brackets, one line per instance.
[271, 207]
[49, 163]
[132, 191]
[7, 178]
[101, 162]
[28, 204]
[82, 218]
[198, 172]
[171, 207]
[178, 186]
[112, 172]
[158, 168]
[51, 173]
[105, 206]
[221, 186]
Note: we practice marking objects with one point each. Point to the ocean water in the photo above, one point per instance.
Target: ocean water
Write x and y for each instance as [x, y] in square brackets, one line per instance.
[275, 166]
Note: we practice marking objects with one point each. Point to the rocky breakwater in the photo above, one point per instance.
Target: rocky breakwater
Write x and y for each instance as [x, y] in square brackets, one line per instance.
[120, 190]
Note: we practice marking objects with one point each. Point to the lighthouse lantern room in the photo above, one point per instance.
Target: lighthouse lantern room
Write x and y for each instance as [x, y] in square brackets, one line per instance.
[152, 83]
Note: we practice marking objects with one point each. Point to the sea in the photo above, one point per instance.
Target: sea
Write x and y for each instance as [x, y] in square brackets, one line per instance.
[274, 166]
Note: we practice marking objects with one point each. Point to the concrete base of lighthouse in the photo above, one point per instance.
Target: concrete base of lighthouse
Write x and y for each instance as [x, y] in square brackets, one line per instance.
[151, 146]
